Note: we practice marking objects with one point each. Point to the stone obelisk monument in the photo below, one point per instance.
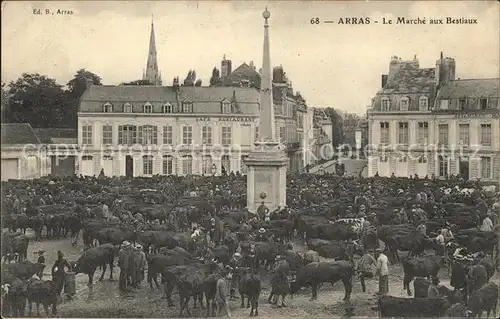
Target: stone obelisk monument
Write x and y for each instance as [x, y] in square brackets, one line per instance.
[266, 177]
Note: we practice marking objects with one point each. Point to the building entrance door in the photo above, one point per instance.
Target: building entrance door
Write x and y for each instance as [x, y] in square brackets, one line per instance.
[464, 168]
[129, 166]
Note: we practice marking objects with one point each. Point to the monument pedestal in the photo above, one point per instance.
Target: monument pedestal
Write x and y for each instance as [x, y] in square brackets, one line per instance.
[266, 178]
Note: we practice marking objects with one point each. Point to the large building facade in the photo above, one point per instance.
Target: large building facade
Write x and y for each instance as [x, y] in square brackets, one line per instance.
[426, 122]
[184, 129]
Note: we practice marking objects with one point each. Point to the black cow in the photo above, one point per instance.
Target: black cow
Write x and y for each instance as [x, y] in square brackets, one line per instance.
[315, 273]
[250, 286]
[331, 249]
[42, 292]
[92, 258]
[484, 299]
[24, 270]
[427, 266]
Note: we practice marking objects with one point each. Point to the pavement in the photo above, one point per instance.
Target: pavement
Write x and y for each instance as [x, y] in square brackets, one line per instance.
[105, 300]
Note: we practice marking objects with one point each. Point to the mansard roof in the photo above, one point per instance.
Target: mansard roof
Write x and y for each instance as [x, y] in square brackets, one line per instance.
[410, 79]
[471, 88]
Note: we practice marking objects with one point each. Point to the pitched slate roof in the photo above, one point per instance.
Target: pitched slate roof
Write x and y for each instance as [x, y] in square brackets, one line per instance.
[410, 79]
[18, 133]
[470, 88]
[243, 72]
[51, 135]
[140, 93]
[129, 93]
[217, 94]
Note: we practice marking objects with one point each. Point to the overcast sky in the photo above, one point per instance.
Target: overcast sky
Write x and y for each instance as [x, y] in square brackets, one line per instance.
[330, 64]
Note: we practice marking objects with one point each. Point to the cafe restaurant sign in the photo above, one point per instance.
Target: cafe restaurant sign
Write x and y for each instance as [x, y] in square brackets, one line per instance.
[224, 119]
[470, 115]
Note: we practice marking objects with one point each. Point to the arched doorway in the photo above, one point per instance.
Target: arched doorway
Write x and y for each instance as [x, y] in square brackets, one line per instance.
[129, 166]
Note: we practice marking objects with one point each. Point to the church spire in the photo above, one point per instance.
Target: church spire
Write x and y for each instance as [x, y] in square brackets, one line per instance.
[152, 74]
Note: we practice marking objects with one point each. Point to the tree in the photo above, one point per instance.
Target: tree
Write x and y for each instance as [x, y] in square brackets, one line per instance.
[215, 79]
[137, 82]
[198, 82]
[35, 99]
[78, 84]
[337, 126]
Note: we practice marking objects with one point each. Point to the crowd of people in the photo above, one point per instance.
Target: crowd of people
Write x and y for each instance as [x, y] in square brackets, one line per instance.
[211, 213]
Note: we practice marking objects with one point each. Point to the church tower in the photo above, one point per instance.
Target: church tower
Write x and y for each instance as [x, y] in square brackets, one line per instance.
[152, 74]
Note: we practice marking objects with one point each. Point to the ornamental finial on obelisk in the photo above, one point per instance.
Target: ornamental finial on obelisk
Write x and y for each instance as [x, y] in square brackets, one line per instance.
[266, 14]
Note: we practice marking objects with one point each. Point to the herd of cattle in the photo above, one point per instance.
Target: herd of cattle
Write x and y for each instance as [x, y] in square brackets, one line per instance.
[323, 211]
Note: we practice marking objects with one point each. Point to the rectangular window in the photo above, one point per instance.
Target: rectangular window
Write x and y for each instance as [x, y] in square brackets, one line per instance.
[444, 104]
[207, 165]
[168, 165]
[244, 168]
[462, 104]
[187, 135]
[256, 133]
[147, 165]
[404, 105]
[464, 134]
[167, 135]
[87, 135]
[187, 107]
[127, 134]
[187, 165]
[107, 134]
[486, 134]
[423, 103]
[403, 133]
[443, 134]
[206, 135]
[385, 104]
[443, 166]
[226, 135]
[148, 135]
[226, 164]
[483, 104]
[383, 159]
[485, 167]
[422, 159]
[423, 133]
[384, 133]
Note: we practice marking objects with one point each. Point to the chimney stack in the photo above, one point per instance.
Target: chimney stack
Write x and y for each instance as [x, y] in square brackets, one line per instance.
[384, 80]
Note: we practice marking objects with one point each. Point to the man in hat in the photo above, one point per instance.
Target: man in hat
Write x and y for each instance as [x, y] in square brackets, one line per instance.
[221, 294]
[234, 263]
[124, 262]
[383, 272]
[58, 272]
[41, 257]
[433, 291]
[141, 262]
[262, 210]
[261, 236]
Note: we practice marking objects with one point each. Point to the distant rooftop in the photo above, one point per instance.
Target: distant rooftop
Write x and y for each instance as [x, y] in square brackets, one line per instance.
[18, 133]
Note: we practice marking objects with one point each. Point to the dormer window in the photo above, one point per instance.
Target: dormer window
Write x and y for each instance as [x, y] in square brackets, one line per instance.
[107, 108]
[148, 108]
[245, 83]
[187, 107]
[167, 108]
[405, 101]
[423, 103]
[444, 104]
[226, 107]
[127, 108]
[384, 104]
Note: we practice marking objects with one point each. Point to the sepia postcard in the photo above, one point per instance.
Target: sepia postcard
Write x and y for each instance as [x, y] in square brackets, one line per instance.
[347, 164]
